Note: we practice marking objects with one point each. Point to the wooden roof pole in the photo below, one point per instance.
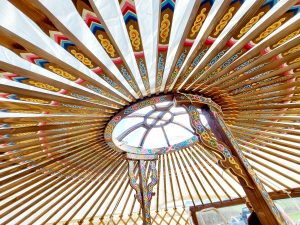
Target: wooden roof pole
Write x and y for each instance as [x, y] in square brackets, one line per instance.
[262, 205]
[225, 145]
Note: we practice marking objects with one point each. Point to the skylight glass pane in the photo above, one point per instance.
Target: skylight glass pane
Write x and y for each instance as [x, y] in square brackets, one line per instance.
[135, 137]
[125, 124]
[163, 104]
[155, 139]
[176, 110]
[183, 120]
[176, 133]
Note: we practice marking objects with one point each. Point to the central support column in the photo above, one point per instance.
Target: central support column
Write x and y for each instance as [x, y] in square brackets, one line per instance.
[220, 141]
[139, 183]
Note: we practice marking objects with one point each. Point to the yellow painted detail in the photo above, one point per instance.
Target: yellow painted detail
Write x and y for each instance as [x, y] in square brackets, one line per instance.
[270, 29]
[34, 100]
[198, 22]
[250, 24]
[292, 50]
[134, 37]
[62, 73]
[107, 45]
[43, 85]
[165, 28]
[224, 21]
[82, 58]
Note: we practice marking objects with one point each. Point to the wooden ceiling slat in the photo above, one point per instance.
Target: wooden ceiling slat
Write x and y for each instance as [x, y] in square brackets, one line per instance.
[42, 53]
[249, 37]
[75, 191]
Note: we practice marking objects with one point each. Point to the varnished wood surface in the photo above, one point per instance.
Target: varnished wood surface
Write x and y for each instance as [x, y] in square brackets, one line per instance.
[53, 144]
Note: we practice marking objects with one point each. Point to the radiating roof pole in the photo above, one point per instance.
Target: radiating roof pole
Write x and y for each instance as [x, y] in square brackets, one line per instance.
[166, 18]
[131, 22]
[144, 190]
[231, 157]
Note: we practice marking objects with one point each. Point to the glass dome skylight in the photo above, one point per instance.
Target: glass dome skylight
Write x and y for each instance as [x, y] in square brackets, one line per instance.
[153, 124]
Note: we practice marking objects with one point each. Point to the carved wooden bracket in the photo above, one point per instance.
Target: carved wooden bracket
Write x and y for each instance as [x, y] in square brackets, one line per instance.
[143, 189]
[227, 161]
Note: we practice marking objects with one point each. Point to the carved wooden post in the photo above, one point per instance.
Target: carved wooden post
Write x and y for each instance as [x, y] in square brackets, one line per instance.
[232, 158]
[144, 191]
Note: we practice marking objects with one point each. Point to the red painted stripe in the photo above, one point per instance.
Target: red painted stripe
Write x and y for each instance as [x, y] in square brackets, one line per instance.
[63, 91]
[54, 103]
[31, 57]
[248, 46]
[163, 48]
[59, 37]
[90, 18]
[139, 55]
[231, 42]
[264, 51]
[209, 41]
[79, 81]
[188, 43]
[128, 7]
[97, 70]
[10, 76]
[117, 61]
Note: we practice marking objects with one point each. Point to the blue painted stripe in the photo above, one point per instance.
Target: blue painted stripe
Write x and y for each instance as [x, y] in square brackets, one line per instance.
[295, 9]
[270, 2]
[66, 43]
[41, 62]
[211, 2]
[167, 4]
[234, 1]
[96, 26]
[20, 79]
[130, 16]
[13, 96]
